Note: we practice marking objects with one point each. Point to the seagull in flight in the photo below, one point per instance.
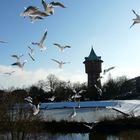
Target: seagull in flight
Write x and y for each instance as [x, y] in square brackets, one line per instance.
[1, 41]
[90, 126]
[77, 96]
[40, 44]
[61, 48]
[33, 13]
[9, 73]
[108, 69]
[52, 98]
[49, 7]
[31, 50]
[17, 57]
[19, 64]
[31, 56]
[136, 20]
[29, 11]
[98, 89]
[33, 104]
[57, 4]
[60, 63]
[73, 114]
[31, 53]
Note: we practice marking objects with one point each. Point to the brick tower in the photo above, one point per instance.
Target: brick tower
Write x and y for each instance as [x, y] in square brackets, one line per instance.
[93, 68]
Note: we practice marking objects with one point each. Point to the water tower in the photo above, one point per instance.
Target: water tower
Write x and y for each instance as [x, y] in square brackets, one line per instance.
[93, 68]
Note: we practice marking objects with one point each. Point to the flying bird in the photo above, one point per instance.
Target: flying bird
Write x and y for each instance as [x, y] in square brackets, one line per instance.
[98, 89]
[31, 53]
[31, 50]
[17, 57]
[61, 48]
[40, 44]
[57, 4]
[73, 114]
[33, 13]
[89, 126]
[52, 98]
[9, 73]
[136, 20]
[19, 64]
[60, 63]
[108, 69]
[33, 104]
[36, 108]
[31, 56]
[39, 14]
[29, 11]
[76, 96]
[1, 41]
[49, 7]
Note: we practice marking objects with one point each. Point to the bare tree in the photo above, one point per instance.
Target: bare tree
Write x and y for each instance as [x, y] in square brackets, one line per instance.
[17, 118]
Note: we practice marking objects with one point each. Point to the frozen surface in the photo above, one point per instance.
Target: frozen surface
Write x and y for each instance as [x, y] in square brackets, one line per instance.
[129, 107]
[89, 111]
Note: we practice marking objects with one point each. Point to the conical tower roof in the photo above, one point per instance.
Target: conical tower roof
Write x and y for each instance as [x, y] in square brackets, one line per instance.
[92, 56]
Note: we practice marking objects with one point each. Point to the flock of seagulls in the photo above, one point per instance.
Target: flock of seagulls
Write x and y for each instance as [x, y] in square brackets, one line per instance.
[61, 49]
[34, 13]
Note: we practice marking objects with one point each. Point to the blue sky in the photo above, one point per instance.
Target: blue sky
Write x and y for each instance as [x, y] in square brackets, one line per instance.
[103, 24]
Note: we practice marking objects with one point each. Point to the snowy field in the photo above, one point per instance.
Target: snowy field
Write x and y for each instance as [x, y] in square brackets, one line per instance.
[90, 111]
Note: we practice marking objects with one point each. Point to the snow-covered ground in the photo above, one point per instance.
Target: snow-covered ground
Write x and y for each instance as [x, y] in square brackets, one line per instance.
[89, 111]
[129, 107]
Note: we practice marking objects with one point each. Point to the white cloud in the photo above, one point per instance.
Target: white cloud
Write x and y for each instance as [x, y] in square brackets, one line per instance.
[26, 78]
[22, 78]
